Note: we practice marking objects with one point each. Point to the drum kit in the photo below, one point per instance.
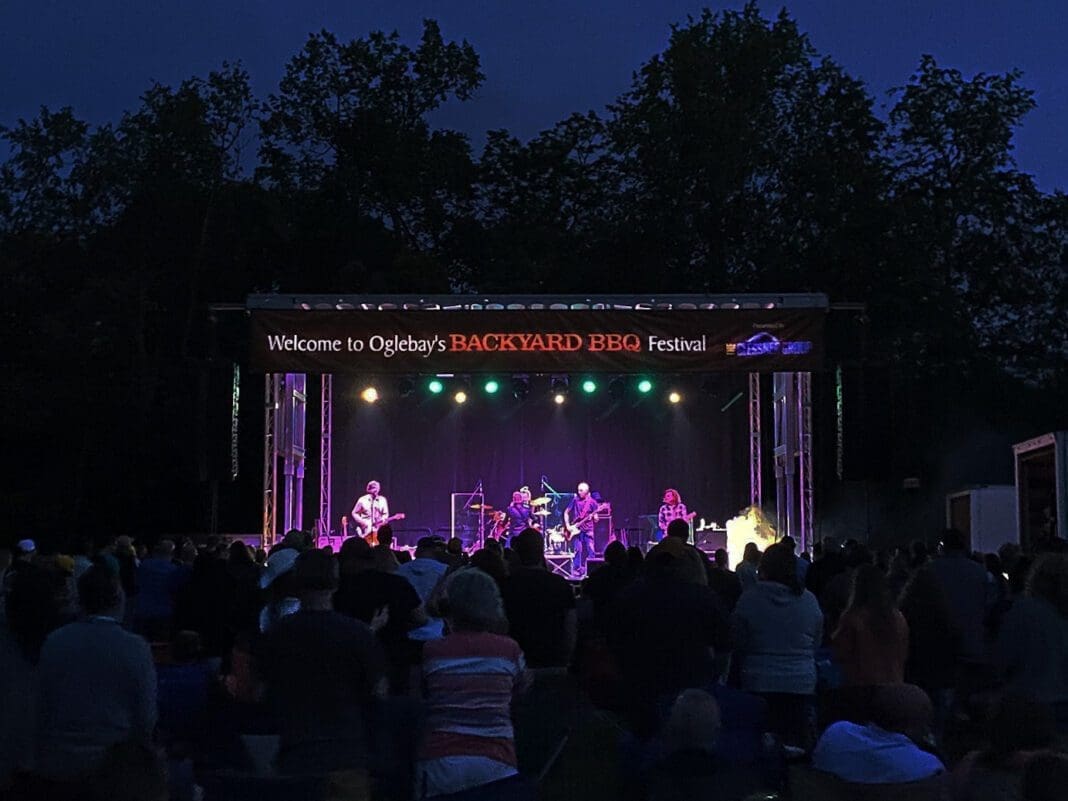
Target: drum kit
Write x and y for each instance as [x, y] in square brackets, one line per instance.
[496, 523]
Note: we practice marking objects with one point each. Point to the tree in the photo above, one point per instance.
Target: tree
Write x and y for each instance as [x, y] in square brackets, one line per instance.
[348, 132]
[980, 251]
[746, 162]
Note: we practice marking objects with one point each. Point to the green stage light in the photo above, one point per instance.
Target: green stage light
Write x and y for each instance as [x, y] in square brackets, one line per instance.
[435, 386]
[492, 386]
[645, 386]
[589, 386]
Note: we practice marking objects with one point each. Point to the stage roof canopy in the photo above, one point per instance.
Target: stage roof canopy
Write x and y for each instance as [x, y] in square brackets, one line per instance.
[324, 302]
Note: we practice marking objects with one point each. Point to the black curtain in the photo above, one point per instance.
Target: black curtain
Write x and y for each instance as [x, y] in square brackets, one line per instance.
[423, 447]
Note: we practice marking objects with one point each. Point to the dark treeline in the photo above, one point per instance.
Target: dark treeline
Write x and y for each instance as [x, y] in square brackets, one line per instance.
[740, 160]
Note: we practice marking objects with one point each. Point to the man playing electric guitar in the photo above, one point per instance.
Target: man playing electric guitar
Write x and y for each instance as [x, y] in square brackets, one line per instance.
[372, 511]
[672, 509]
[579, 518]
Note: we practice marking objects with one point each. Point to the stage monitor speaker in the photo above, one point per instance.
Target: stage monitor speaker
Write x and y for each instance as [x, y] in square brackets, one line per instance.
[593, 564]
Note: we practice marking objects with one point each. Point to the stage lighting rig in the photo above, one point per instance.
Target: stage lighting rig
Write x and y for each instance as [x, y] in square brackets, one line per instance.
[520, 386]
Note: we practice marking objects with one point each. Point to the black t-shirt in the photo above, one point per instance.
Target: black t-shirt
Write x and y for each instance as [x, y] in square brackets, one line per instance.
[660, 630]
[361, 594]
[727, 585]
[537, 603]
[602, 586]
[320, 669]
[519, 516]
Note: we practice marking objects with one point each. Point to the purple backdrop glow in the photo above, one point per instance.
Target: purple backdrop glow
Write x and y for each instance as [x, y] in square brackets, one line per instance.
[424, 447]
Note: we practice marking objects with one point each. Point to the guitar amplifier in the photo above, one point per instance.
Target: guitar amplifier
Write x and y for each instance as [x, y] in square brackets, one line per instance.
[602, 533]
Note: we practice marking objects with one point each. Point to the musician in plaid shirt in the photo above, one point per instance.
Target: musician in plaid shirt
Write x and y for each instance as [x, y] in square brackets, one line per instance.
[672, 509]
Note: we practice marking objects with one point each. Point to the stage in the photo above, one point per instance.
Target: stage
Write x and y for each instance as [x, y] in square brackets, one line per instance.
[456, 402]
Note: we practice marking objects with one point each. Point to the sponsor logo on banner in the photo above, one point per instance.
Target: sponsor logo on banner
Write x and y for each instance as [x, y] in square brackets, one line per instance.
[765, 344]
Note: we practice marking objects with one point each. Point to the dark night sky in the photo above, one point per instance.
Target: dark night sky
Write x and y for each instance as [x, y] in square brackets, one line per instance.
[543, 58]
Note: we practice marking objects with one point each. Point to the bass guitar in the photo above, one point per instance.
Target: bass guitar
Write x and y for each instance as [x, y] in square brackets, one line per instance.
[370, 533]
[573, 529]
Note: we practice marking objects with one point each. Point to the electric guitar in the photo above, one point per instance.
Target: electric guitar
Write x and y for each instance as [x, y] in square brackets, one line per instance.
[688, 518]
[370, 532]
[573, 529]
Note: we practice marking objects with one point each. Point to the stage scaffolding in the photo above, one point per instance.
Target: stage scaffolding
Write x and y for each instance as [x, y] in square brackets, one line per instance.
[285, 408]
[284, 420]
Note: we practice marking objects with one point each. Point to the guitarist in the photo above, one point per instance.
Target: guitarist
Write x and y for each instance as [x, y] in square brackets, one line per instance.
[672, 509]
[371, 510]
[579, 518]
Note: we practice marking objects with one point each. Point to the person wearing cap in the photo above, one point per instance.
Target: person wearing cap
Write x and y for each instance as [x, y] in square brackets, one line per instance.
[424, 573]
[24, 554]
[885, 750]
[277, 579]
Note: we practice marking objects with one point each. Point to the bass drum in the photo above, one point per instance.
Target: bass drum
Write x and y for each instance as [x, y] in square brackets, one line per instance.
[555, 540]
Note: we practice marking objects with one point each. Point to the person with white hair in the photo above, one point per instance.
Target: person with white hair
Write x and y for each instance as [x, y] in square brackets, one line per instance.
[470, 676]
[688, 766]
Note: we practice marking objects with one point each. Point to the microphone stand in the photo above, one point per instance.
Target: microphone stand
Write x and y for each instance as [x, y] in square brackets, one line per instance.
[549, 489]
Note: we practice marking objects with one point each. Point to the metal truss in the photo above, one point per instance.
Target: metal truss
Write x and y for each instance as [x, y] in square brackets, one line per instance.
[794, 476]
[326, 413]
[756, 467]
[270, 475]
[235, 408]
[294, 416]
[807, 475]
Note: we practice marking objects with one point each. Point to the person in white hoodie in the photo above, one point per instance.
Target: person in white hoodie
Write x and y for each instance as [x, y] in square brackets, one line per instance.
[777, 627]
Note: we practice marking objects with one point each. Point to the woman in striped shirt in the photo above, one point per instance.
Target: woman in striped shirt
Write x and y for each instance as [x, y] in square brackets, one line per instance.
[470, 677]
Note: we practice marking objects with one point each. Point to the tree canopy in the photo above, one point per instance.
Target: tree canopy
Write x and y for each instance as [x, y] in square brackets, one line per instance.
[740, 159]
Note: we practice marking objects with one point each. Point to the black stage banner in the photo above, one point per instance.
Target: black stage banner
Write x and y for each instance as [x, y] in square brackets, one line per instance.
[537, 341]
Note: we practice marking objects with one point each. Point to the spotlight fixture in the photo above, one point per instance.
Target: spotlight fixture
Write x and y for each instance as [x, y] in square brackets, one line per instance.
[460, 396]
[491, 386]
[405, 387]
[617, 388]
[370, 395]
[559, 398]
[520, 386]
[674, 397]
[645, 386]
[560, 384]
[589, 386]
[436, 386]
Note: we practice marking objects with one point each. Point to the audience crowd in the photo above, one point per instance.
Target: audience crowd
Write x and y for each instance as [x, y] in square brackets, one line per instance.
[153, 670]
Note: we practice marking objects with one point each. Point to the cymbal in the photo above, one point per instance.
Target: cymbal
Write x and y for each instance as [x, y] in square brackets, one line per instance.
[484, 506]
[542, 513]
[540, 501]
